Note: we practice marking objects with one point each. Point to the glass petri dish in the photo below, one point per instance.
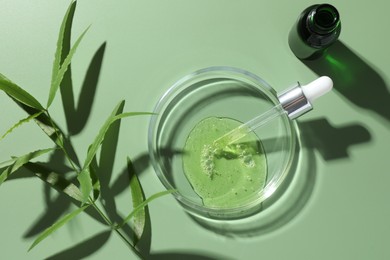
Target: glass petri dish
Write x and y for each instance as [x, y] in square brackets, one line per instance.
[218, 92]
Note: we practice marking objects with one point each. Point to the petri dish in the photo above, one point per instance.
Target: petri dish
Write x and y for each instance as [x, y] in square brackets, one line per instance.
[222, 92]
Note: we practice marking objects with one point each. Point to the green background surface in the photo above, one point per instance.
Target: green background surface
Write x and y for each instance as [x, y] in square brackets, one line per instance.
[343, 209]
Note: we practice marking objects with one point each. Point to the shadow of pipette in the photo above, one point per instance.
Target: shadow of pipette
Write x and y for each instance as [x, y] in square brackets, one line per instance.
[333, 142]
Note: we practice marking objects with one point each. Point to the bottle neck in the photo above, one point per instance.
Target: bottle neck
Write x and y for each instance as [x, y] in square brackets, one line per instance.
[323, 20]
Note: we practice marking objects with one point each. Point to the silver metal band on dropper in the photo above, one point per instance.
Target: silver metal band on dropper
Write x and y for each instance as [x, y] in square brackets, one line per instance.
[295, 102]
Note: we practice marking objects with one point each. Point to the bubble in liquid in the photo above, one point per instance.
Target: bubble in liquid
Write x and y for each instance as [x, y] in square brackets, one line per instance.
[207, 160]
[248, 161]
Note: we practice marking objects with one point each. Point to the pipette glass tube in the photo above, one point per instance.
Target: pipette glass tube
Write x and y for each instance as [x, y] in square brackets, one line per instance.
[294, 102]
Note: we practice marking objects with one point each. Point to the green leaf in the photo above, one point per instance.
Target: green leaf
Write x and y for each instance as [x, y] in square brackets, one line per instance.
[53, 131]
[64, 67]
[56, 226]
[137, 196]
[3, 77]
[100, 137]
[24, 120]
[95, 180]
[55, 180]
[58, 54]
[50, 129]
[85, 180]
[20, 161]
[19, 94]
[7, 163]
[45, 123]
[93, 148]
[143, 204]
[86, 185]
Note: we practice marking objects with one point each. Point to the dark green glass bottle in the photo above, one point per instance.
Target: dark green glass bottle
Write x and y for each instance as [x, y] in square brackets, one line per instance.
[316, 29]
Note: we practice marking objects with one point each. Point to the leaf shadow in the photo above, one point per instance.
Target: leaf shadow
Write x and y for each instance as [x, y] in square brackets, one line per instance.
[77, 116]
[44, 122]
[57, 206]
[190, 255]
[83, 249]
[106, 163]
[105, 171]
[141, 163]
[76, 119]
[118, 186]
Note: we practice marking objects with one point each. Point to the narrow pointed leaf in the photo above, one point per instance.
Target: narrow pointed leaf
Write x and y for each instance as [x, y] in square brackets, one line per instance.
[86, 185]
[100, 137]
[48, 126]
[56, 226]
[55, 180]
[137, 196]
[21, 122]
[85, 180]
[58, 54]
[95, 179]
[20, 161]
[50, 129]
[53, 131]
[64, 67]
[4, 77]
[19, 94]
[128, 114]
[84, 177]
[7, 163]
[143, 204]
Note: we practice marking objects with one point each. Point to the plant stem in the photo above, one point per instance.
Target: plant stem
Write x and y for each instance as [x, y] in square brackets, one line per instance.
[60, 142]
[91, 201]
[132, 247]
[119, 233]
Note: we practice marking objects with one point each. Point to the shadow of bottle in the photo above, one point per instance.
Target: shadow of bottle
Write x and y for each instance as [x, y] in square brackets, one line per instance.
[353, 78]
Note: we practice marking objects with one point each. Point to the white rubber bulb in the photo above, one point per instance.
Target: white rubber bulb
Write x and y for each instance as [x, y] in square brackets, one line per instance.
[317, 88]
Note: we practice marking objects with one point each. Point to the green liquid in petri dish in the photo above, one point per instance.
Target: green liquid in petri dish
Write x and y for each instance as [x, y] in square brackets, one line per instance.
[224, 176]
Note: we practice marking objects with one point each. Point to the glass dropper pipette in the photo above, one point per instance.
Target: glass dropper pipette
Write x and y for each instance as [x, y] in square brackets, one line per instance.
[294, 102]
